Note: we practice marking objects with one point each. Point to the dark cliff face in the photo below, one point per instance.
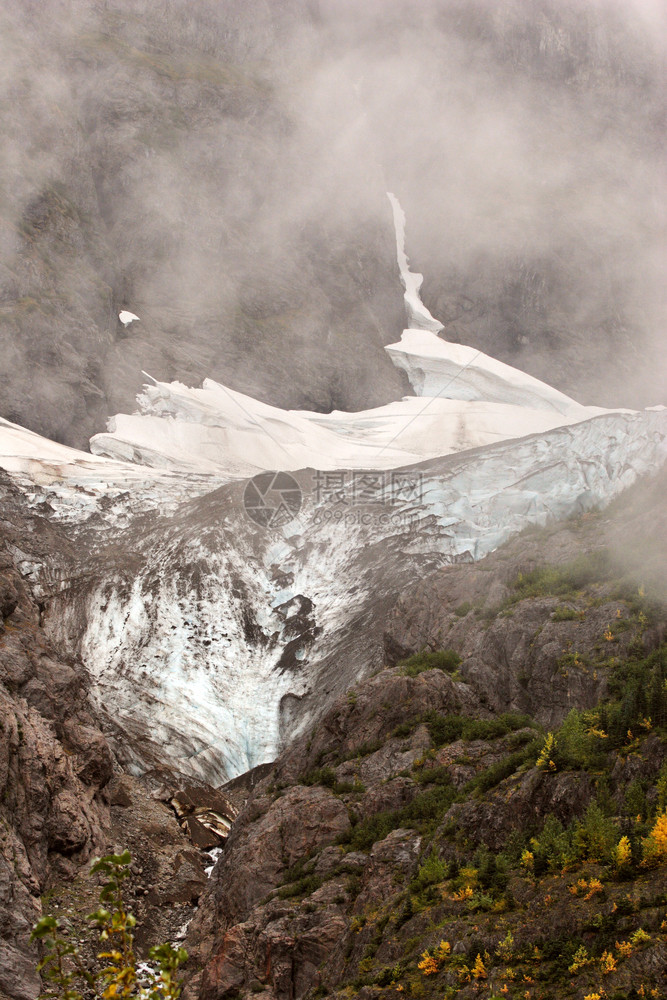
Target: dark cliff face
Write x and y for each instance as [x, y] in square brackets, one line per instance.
[54, 760]
[220, 169]
[63, 794]
[166, 162]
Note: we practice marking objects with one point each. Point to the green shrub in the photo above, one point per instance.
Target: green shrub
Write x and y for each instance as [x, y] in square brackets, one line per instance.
[427, 808]
[405, 729]
[423, 813]
[552, 848]
[444, 729]
[569, 578]
[406, 912]
[576, 746]
[492, 872]
[365, 749]
[388, 975]
[319, 776]
[326, 776]
[362, 835]
[347, 787]
[504, 768]
[431, 872]
[443, 659]
[302, 887]
[661, 788]
[639, 691]
[566, 614]
[635, 799]
[594, 835]
[433, 776]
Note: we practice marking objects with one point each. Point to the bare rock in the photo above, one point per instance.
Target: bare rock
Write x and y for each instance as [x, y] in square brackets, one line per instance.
[521, 804]
[18, 975]
[67, 829]
[9, 597]
[119, 790]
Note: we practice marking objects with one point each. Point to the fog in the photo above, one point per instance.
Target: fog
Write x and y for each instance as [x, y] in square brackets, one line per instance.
[220, 169]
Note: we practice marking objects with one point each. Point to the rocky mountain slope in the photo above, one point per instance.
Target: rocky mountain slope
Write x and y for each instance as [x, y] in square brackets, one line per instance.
[213, 634]
[420, 841]
[217, 623]
[55, 763]
[214, 640]
[528, 640]
[411, 814]
[63, 794]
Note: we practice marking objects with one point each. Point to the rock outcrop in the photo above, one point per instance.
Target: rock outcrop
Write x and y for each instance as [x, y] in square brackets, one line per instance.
[54, 767]
[524, 657]
[63, 796]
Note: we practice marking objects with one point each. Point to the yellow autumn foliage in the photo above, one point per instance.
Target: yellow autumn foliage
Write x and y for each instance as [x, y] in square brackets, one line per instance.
[621, 855]
[655, 845]
[544, 761]
[607, 963]
[478, 969]
[428, 964]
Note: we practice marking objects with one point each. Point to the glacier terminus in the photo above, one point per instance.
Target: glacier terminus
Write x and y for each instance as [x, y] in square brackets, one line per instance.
[214, 639]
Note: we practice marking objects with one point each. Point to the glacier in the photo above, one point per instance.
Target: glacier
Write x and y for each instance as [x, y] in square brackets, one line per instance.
[217, 431]
[210, 639]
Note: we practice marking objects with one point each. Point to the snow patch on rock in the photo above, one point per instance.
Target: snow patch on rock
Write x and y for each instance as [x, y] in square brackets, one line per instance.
[127, 317]
[418, 315]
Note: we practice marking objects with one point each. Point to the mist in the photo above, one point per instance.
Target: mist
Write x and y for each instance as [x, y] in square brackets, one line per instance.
[220, 169]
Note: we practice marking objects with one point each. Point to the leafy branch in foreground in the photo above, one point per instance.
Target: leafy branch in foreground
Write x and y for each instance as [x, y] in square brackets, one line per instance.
[117, 975]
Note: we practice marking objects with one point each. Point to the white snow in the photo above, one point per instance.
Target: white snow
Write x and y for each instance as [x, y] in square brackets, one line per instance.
[217, 431]
[213, 854]
[173, 650]
[74, 482]
[127, 317]
[437, 368]
[195, 664]
[465, 399]
[418, 315]
[44, 461]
